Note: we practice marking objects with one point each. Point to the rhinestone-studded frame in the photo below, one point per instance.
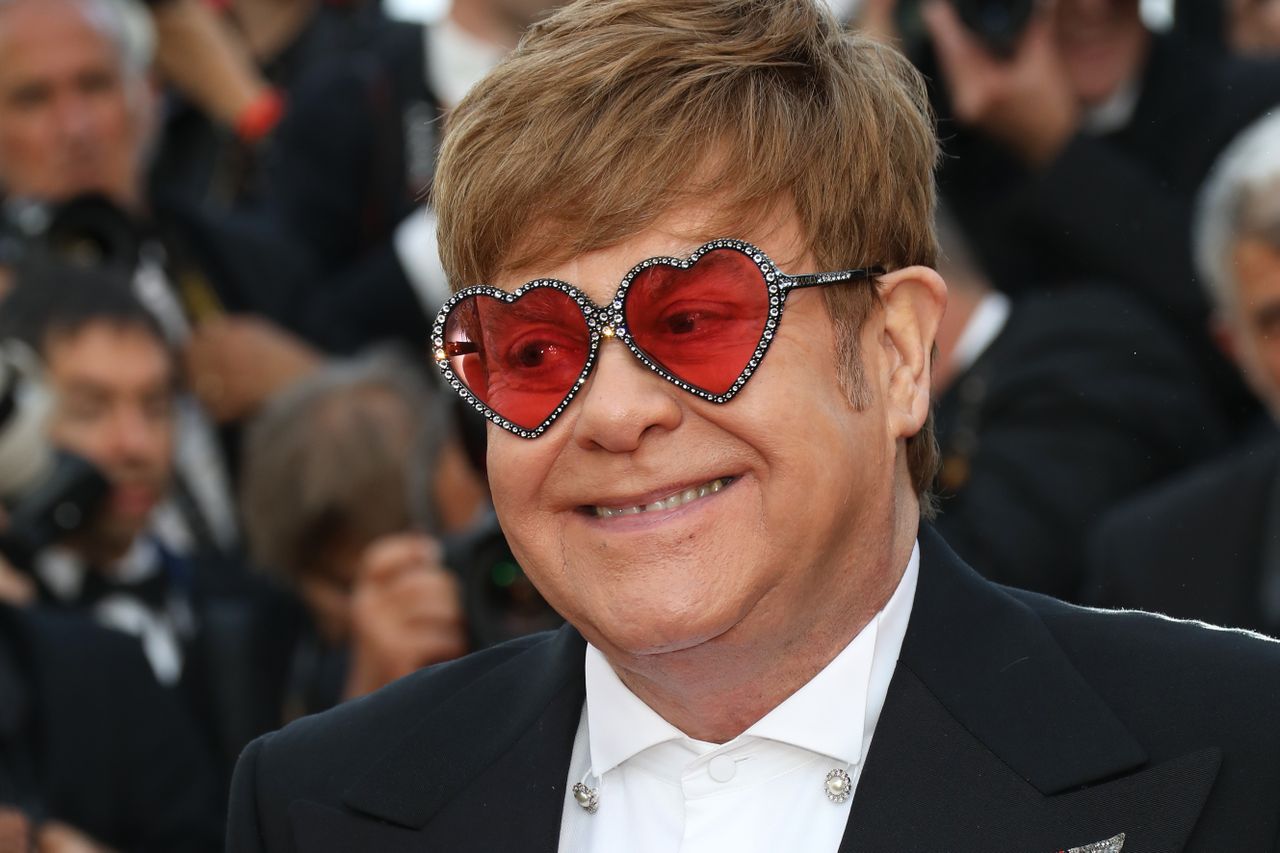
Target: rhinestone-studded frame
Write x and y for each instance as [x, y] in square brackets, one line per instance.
[598, 317]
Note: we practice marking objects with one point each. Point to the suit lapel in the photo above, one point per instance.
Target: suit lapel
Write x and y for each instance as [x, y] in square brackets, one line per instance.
[990, 740]
[485, 771]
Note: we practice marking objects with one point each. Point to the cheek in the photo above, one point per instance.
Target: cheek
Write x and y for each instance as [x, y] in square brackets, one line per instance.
[1269, 358]
[518, 470]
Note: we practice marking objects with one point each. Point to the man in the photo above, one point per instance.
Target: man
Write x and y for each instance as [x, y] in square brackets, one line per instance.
[76, 117]
[1207, 546]
[113, 377]
[1063, 149]
[1067, 161]
[711, 459]
[1046, 412]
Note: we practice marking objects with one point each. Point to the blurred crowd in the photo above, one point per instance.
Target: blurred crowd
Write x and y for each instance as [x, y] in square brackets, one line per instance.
[235, 493]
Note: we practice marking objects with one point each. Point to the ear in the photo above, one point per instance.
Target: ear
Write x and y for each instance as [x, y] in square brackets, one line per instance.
[914, 299]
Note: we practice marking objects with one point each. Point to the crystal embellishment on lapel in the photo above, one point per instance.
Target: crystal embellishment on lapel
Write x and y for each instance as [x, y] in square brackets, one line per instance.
[1111, 845]
[838, 786]
[589, 798]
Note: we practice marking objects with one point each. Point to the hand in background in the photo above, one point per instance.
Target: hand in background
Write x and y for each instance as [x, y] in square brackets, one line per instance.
[406, 612]
[1024, 102]
[54, 837]
[236, 363]
[15, 831]
[17, 835]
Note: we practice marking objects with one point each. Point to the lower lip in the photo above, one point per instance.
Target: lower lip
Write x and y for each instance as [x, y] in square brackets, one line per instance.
[132, 501]
[653, 518]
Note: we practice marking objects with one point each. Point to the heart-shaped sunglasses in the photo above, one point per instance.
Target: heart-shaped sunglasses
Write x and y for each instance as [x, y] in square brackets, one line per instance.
[703, 323]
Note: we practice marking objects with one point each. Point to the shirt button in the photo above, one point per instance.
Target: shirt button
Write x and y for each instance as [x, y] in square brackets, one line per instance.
[722, 768]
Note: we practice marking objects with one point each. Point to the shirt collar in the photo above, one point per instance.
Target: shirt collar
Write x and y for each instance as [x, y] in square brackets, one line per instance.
[985, 325]
[620, 725]
[63, 570]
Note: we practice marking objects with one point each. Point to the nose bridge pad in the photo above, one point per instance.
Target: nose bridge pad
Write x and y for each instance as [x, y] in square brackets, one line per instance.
[624, 397]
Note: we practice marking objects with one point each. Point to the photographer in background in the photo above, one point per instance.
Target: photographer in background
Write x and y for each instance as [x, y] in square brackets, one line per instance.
[114, 381]
[343, 474]
[76, 125]
[1076, 139]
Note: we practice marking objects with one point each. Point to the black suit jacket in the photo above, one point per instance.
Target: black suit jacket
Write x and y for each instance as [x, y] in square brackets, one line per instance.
[1013, 724]
[1194, 548]
[88, 738]
[1083, 399]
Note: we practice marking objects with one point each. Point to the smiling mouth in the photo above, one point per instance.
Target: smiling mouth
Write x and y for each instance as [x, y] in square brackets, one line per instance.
[675, 499]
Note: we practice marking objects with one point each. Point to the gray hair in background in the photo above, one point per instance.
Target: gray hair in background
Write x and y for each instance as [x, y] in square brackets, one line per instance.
[126, 23]
[349, 451]
[1239, 200]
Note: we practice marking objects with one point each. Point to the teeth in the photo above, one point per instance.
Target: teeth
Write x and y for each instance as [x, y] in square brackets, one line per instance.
[678, 499]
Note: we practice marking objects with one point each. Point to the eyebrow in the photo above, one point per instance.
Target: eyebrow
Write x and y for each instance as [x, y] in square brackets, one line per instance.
[1268, 314]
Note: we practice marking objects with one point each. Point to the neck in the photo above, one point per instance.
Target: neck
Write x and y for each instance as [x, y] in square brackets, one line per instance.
[715, 691]
[485, 22]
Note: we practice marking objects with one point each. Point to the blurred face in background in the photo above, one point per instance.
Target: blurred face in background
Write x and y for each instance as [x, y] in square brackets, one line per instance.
[115, 399]
[1251, 327]
[1103, 44]
[72, 119]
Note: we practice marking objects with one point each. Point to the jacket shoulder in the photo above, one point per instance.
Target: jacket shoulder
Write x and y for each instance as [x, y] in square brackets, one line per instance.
[1148, 667]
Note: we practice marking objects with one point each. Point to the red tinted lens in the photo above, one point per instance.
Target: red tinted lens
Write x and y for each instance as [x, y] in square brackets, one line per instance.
[521, 358]
[702, 324]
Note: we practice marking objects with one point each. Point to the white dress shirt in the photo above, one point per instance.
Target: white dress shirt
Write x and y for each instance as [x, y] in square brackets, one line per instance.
[660, 790]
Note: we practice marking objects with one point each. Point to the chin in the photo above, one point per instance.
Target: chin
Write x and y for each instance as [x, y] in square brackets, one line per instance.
[665, 633]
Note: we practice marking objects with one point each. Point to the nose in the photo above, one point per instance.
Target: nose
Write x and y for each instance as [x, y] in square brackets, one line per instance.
[623, 402]
[74, 118]
[134, 437]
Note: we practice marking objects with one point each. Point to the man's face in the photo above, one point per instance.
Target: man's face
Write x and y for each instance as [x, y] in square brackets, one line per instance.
[1103, 45]
[807, 480]
[68, 123]
[114, 387]
[1252, 324]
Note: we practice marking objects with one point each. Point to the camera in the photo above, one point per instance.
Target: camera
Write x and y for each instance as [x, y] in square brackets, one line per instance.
[499, 600]
[85, 231]
[999, 23]
[47, 493]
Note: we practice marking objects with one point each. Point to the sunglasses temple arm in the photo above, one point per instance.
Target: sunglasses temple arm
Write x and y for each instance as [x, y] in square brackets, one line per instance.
[824, 278]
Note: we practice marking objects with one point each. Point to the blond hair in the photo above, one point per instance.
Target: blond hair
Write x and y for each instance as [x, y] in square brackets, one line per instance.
[612, 112]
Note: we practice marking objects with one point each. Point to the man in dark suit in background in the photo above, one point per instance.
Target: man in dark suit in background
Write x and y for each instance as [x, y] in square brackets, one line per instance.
[1208, 545]
[1044, 405]
[716, 471]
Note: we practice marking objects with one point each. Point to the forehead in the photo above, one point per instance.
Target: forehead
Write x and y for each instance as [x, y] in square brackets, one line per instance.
[772, 226]
[43, 36]
[108, 353]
